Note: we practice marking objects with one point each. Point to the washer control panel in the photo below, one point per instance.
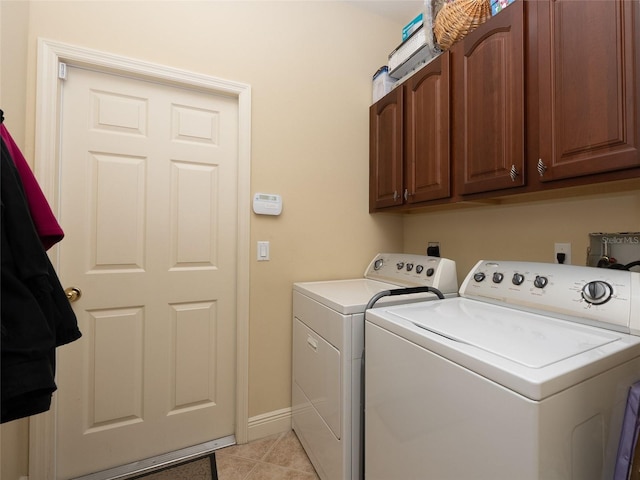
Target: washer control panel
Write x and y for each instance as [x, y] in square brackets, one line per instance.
[602, 297]
[410, 270]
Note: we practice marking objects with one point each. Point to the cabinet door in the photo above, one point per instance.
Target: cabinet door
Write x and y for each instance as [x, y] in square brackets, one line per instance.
[385, 151]
[426, 130]
[588, 75]
[488, 95]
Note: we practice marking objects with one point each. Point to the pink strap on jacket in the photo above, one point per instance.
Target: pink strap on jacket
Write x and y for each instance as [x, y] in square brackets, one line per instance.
[47, 226]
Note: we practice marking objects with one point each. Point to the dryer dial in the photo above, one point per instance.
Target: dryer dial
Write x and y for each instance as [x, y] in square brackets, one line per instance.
[479, 276]
[540, 281]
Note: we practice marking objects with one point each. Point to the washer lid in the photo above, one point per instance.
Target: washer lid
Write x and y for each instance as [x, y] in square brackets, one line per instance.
[528, 339]
[532, 354]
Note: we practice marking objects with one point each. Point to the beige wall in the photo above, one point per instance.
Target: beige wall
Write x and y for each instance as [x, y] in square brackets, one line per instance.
[310, 66]
[526, 231]
[14, 19]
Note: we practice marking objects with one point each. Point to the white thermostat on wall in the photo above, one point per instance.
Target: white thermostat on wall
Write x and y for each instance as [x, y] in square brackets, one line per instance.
[267, 204]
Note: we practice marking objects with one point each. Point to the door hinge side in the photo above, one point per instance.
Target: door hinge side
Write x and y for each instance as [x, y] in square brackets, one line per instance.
[62, 71]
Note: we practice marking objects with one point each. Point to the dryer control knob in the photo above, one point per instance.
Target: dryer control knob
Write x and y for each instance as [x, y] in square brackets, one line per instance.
[498, 277]
[597, 292]
[479, 276]
[540, 281]
[517, 279]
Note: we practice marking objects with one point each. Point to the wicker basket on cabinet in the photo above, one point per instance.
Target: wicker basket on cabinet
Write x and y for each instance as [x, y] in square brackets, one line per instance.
[459, 17]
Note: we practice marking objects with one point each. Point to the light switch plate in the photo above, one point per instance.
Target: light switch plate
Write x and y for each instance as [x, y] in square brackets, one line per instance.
[263, 251]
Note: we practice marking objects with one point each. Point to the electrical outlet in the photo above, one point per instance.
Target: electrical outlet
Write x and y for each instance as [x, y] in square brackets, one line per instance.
[562, 249]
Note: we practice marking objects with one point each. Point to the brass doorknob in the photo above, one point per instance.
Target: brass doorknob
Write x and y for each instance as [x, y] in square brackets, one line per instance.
[73, 293]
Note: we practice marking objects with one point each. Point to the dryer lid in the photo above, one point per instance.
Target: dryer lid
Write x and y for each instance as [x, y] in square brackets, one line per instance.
[344, 296]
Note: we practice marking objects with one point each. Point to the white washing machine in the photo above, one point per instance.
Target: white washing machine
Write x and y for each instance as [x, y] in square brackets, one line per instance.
[328, 329]
[523, 376]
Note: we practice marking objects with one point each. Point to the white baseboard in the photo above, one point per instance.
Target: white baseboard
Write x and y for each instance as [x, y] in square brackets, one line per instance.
[270, 423]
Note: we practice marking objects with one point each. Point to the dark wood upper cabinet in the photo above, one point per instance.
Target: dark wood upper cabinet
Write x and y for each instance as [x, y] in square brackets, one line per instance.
[409, 140]
[488, 104]
[386, 151]
[426, 132]
[588, 64]
[544, 95]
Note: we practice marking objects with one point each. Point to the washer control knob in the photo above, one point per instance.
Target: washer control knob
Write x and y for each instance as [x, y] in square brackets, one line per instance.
[400, 265]
[409, 267]
[430, 272]
[518, 279]
[498, 277]
[378, 264]
[419, 268]
[597, 292]
[479, 276]
[540, 281]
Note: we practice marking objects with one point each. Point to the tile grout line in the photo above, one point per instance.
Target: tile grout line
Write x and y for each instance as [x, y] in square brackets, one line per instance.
[272, 447]
[261, 459]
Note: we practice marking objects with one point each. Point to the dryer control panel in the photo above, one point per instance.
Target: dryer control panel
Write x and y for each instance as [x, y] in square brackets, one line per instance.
[410, 270]
[602, 297]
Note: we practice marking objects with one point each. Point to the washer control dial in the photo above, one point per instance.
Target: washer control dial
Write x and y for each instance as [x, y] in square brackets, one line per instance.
[479, 276]
[498, 277]
[518, 279]
[597, 292]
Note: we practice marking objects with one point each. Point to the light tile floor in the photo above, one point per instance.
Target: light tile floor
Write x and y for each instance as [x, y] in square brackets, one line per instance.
[278, 457]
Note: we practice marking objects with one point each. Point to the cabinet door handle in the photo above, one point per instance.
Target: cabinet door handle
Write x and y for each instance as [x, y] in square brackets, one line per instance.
[541, 167]
[313, 343]
[513, 173]
[406, 194]
[395, 195]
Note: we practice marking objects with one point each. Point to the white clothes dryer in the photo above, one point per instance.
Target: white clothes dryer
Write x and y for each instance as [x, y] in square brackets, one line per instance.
[328, 340]
[523, 376]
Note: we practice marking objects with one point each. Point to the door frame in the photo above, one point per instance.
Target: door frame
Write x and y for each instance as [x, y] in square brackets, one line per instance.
[42, 428]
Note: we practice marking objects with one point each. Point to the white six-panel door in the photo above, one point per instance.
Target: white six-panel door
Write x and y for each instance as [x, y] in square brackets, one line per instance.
[148, 201]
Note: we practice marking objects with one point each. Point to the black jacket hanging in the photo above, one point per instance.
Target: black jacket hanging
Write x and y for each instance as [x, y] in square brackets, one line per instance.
[35, 314]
